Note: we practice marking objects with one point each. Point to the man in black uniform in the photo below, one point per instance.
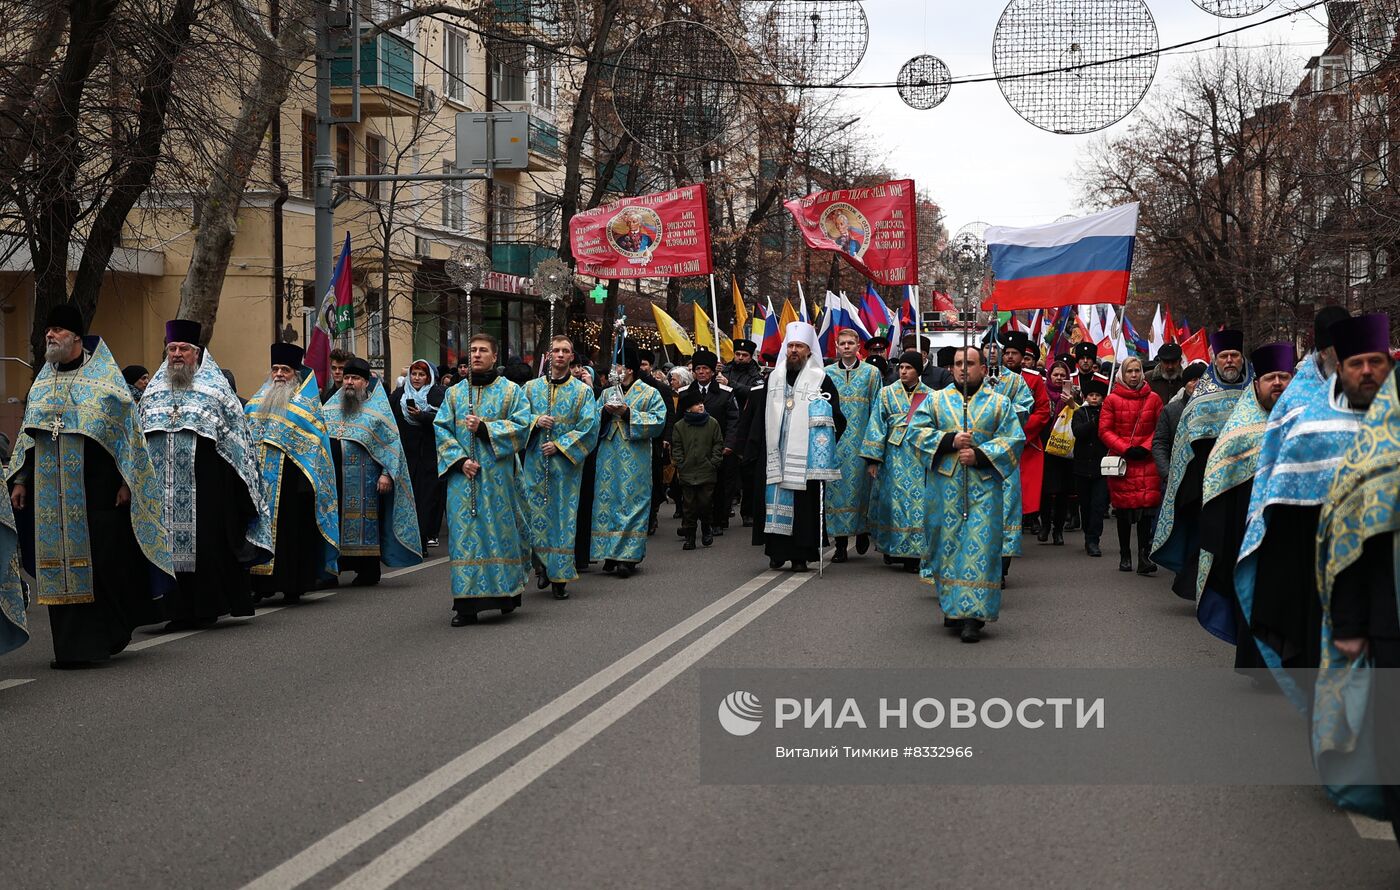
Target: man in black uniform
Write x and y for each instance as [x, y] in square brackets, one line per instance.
[721, 405]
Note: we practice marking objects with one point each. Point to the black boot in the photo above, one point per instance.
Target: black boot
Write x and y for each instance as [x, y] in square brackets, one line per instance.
[689, 539]
[462, 619]
[1145, 564]
[1043, 533]
[841, 543]
[1057, 536]
[560, 592]
[1125, 561]
[911, 566]
[971, 630]
[862, 544]
[1125, 543]
[625, 569]
[1092, 548]
[707, 534]
[799, 565]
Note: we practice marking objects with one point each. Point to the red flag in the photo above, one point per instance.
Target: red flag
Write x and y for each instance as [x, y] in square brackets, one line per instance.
[1194, 348]
[874, 229]
[1107, 349]
[1169, 327]
[336, 316]
[943, 303]
[662, 235]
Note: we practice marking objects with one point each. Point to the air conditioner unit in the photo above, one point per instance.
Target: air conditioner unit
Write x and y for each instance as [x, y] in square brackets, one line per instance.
[428, 97]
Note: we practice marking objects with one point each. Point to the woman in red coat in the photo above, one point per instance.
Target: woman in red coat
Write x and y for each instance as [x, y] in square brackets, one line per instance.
[1126, 425]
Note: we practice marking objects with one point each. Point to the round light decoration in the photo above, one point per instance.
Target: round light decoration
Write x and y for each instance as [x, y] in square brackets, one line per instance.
[1074, 66]
[814, 42]
[675, 88]
[1233, 9]
[924, 82]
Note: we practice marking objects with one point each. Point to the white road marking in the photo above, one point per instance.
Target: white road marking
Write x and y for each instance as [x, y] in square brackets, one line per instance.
[268, 610]
[349, 837]
[11, 684]
[1371, 829]
[412, 851]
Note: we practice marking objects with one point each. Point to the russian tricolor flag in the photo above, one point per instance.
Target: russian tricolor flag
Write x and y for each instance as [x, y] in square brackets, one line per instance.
[839, 316]
[874, 314]
[1085, 260]
[772, 341]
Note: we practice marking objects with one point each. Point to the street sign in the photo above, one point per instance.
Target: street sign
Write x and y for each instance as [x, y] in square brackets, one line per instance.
[497, 140]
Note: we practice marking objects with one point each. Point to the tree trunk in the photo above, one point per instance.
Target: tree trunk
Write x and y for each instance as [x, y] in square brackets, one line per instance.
[213, 246]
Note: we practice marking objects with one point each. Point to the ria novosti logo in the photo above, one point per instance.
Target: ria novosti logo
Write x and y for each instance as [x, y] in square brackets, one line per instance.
[740, 713]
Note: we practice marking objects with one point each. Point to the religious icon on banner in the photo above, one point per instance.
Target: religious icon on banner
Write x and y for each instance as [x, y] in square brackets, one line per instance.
[848, 227]
[635, 232]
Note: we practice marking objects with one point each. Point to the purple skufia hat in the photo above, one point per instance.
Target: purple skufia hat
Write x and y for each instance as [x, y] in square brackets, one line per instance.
[1360, 335]
[1273, 357]
[1227, 340]
[182, 331]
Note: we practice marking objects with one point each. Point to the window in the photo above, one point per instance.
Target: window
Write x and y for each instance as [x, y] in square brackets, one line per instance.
[507, 82]
[454, 201]
[374, 164]
[374, 309]
[503, 223]
[544, 88]
[546, 218]
[308, 156]
[344, 155]
[454, 76]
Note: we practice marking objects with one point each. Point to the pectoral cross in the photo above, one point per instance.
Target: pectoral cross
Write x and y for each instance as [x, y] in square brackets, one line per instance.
[56, 426]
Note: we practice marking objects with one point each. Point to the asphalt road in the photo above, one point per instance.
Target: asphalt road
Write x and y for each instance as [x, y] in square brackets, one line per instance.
[359, 741]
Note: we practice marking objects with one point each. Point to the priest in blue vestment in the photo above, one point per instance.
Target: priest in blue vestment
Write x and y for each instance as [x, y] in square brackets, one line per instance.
[214, 512]
[630, 414]
[897, 467]
[563, 431]
[971, 436]
[1225, 490]
[81, 453]
[299, 479]
[378, 516]
[849, 498]
[14, 622]
[1359, 587]
[484, 422]
[1176, 540]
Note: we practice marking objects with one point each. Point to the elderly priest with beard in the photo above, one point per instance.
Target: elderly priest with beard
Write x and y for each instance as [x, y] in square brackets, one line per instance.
[794, 404]
[212, 501]
[294, 454]
[378, 518]
[86, 499]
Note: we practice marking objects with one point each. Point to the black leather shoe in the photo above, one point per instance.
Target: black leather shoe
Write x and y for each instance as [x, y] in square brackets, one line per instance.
[911, 566]
[560, 592]
[1125, 563]
[1043, 533]
[862, 544]
[889, 560]
[971, 631]
[541, 579]
[775, 563]
[651, 527]
[953, 624]
[707, 535]
[717, 531]
[460, 619]
[609, 566]
[1057, 538]
[840, 555]
[748, 522]
[1145, 565]
[689, 544]
[625, 570]
[799, 566]
[1093, 549]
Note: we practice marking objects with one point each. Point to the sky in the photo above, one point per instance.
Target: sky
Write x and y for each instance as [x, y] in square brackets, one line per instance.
[977, 157]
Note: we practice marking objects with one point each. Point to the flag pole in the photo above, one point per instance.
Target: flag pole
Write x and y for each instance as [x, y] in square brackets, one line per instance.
[714, 314]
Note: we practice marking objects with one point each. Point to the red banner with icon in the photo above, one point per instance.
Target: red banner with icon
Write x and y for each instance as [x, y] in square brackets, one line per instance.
[662, 235]
[874, 229]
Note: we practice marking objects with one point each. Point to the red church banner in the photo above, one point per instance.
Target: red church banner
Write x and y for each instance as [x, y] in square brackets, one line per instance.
[874, 229]
[662, 235]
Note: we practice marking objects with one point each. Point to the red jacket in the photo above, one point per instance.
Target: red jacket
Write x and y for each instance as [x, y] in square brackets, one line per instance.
[1128, 419]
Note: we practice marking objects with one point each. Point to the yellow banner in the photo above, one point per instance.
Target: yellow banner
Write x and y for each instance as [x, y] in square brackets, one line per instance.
[672, 334]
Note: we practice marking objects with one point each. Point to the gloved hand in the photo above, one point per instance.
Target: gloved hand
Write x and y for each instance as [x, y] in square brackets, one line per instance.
[1137, 452]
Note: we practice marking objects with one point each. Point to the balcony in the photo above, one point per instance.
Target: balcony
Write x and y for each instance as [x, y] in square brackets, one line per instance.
[544, 145]
[519, 259]
[388, 86]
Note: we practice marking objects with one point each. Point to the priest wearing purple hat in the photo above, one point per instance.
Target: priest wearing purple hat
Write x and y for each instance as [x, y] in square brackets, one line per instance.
[1226, 488]
[1276, 576]
[212, 503]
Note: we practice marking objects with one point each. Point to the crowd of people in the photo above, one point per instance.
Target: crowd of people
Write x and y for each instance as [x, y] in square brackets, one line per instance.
[1266, 483]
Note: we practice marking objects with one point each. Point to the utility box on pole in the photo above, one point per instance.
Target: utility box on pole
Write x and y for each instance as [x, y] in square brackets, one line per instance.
[494, 140]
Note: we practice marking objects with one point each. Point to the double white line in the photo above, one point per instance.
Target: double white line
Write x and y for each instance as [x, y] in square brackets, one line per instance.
[417, 847]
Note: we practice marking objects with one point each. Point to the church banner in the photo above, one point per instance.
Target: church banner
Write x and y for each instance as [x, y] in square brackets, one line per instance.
[874, 229]
[661, 235]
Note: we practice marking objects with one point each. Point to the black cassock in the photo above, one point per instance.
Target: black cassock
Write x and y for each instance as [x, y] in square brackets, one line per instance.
[1287, 612]
[1222, 525]
[296, 563]
[122, 579]
[801, 545]
[420, 450]
[220, 584]
[1188, 516]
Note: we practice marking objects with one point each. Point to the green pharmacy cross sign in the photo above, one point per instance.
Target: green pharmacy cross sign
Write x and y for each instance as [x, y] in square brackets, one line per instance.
[599, 293]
